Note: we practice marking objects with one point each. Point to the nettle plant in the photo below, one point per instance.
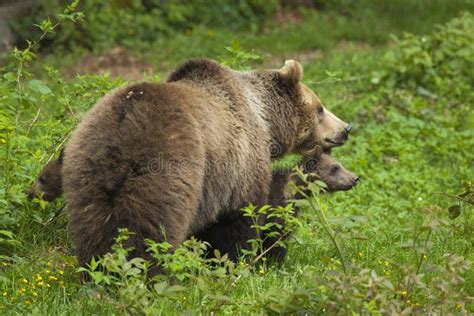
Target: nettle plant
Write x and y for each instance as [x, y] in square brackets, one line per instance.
[22, 97]
[181, 269]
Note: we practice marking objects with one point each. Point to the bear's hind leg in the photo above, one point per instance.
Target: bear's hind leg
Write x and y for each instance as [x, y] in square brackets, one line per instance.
[230, 235]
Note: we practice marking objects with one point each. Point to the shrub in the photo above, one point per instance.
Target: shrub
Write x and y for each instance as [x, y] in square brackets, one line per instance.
[128, 23]
[439, 64]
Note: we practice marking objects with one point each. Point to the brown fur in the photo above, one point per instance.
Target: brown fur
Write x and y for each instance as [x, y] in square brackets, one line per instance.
[178, 155]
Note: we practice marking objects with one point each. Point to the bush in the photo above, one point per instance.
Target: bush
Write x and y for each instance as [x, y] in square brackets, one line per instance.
[128, 23]
[440, 64]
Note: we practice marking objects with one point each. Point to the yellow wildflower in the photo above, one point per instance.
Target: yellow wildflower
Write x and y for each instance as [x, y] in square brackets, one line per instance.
[5, 293]
[52, 278]
[40, 283]
[24, 280]
[47, 271]
[49, 264]
[34, 294]
[47, 285]
[61, 272]
[39, 277]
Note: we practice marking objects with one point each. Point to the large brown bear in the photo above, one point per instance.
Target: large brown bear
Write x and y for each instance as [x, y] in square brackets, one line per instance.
[166, 160]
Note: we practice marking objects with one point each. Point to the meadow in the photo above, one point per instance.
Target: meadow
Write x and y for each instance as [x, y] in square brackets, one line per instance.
[402, 72]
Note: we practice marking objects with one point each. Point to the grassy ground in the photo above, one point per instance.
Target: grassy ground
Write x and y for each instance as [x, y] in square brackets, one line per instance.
[407, 146]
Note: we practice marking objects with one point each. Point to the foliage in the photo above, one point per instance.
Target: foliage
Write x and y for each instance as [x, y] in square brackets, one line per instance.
[436, 64]
[182, 269]
[237, 58]
[127, 23]
[22, 94]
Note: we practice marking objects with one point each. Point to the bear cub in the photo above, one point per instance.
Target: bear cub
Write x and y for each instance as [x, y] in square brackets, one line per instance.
[320, 166]
[49, 182]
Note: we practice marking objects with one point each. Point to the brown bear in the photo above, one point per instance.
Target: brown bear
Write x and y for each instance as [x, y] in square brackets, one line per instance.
[325, 168]
[49, 182]
[167, 160]
[328, 169]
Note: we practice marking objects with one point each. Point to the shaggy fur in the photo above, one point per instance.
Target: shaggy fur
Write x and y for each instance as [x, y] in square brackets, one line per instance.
[177, 156]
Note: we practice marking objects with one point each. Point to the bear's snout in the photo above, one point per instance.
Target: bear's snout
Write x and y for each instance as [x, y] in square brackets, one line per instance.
[347, 129]
[355, 181]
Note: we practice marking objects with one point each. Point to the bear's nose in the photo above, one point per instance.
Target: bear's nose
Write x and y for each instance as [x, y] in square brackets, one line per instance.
[355, 180]
[348, 128]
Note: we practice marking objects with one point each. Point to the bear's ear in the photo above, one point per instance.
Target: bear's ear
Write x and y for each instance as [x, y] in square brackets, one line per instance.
[317, 152]
[292, 71]
[314, 153]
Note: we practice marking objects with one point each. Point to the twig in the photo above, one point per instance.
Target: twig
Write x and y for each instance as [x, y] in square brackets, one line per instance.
[328, 229]
[33, 122]
[57, 148]
[336, 80]
[410, 285]
[269, 248]
[68, 105]
[454, 197]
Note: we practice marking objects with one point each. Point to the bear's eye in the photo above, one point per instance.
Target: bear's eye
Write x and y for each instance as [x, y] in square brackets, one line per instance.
[320, 110]
[42, 180]
[335, 169]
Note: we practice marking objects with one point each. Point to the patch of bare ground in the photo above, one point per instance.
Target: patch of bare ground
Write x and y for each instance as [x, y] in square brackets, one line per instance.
[344, 46]
[286, 16]
[302, 57]
[117, 61]
[307, 57]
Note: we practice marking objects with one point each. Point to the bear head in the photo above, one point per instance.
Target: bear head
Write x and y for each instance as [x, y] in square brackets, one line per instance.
[329, 170]
[318, 126]
[49, 181]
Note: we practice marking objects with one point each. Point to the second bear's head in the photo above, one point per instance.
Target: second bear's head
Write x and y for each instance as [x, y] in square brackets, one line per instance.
[48, 184]
[329, 170]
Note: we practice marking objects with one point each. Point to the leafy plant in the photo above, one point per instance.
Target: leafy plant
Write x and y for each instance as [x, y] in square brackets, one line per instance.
[433, 65]
[237, 58]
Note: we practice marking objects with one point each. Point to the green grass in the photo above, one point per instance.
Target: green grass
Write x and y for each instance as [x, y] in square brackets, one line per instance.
[405, 147]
